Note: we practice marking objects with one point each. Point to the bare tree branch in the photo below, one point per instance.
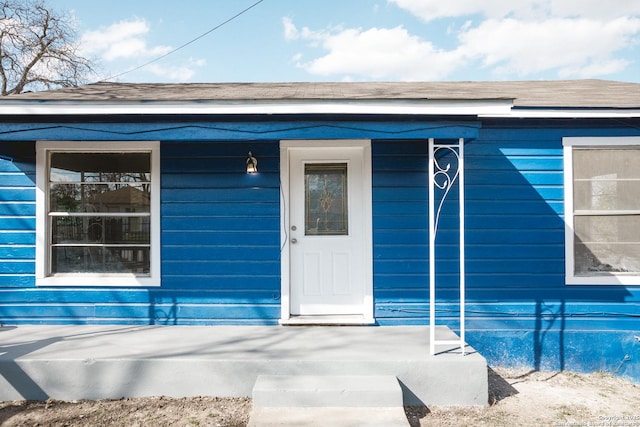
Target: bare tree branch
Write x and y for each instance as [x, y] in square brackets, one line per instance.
[38, 48]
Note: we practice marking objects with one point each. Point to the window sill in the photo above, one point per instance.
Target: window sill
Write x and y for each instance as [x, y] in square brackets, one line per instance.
[97, 280]
[603, 280]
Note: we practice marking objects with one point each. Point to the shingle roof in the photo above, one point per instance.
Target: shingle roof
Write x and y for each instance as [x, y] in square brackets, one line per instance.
[553, 94]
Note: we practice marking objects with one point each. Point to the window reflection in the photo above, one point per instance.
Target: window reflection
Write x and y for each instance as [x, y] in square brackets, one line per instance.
[326, 199]
[100, 198]
[100, 212]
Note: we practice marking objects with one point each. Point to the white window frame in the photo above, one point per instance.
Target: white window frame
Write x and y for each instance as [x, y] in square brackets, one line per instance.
[43, 278]
[611, 278]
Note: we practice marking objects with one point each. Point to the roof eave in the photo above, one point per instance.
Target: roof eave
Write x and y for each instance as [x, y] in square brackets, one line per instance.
[259, 107]
[570, 113]
[482, 108]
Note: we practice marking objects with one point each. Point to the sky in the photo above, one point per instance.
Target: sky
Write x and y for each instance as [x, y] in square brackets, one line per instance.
[358, 40]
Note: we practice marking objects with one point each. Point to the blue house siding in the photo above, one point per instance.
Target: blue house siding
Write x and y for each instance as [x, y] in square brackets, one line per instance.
[17, 216]
[221, 244]
[220, 234]
[400, 232]
[519, 310]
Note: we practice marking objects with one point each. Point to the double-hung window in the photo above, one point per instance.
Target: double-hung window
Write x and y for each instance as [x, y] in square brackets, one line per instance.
[97, 214]
[602, 210]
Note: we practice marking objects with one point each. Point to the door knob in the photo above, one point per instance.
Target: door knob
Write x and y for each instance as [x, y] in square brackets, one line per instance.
[294, 241]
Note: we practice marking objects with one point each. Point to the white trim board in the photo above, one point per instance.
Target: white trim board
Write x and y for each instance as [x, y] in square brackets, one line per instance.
[388, 107]
[485, 108]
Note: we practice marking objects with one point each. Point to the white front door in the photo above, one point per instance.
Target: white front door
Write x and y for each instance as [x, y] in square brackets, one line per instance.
[329, 229]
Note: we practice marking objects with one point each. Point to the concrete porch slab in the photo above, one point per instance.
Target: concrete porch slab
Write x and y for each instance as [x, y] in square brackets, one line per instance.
[96, 362]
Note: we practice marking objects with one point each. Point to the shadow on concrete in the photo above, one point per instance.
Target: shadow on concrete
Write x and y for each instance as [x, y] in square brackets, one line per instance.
[14, 374]
[11, 371]
[499, 389]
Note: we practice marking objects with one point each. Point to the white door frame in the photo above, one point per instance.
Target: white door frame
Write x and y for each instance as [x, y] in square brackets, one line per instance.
[285, 149]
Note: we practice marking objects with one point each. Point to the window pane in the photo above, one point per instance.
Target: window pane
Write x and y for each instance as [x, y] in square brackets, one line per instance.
[612, 258]
[608, 228]
[326, 199]
[100, 260]
[606, 179]
[100, 198]
[607, 195]
[604, 162]
[107, 230]
[607, 244]
[98, 210]
[100, 167]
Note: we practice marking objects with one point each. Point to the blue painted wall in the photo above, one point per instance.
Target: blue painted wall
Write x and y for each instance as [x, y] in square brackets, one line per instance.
[17, 220]
[519, 310]
[220, 235]
[221, 245]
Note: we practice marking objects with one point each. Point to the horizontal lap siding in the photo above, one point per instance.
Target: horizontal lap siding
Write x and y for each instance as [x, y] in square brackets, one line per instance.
[220, 244]
[519, 310]
[17, 216]
[400, 231]
[220, 235]
[515, 229]
[221, 249]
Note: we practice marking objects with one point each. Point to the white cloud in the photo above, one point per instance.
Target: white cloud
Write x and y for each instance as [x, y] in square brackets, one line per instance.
[122, 40]
[380, 54]
[528, 38]
[176, 73]
[595, 9]
[565, 45]
[126, 44]
[429, 10]
[521, 9]
[601, 68]
[290, 30]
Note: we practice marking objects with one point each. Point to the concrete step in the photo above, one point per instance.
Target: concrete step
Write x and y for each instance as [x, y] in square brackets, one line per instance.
[329, 400]
[327, 391]
[323, 417]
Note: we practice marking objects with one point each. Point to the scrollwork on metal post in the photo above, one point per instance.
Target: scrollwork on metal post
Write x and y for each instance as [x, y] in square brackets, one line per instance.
[443, 177]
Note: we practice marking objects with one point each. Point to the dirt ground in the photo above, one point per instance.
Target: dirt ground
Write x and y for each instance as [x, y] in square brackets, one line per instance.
[517, 398]
[558, 399]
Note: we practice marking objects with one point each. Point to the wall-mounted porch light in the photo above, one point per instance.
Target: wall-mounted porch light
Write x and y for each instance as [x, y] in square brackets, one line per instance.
[252, 164]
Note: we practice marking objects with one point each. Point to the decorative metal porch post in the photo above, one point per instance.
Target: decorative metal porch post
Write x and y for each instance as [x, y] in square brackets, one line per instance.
[441, 179]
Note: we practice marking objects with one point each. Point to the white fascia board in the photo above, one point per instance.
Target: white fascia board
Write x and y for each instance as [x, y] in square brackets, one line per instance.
[496, 108]
[374, 107]
[602, 113]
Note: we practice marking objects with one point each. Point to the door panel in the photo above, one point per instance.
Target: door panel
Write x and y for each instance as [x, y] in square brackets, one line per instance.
[327, 268]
